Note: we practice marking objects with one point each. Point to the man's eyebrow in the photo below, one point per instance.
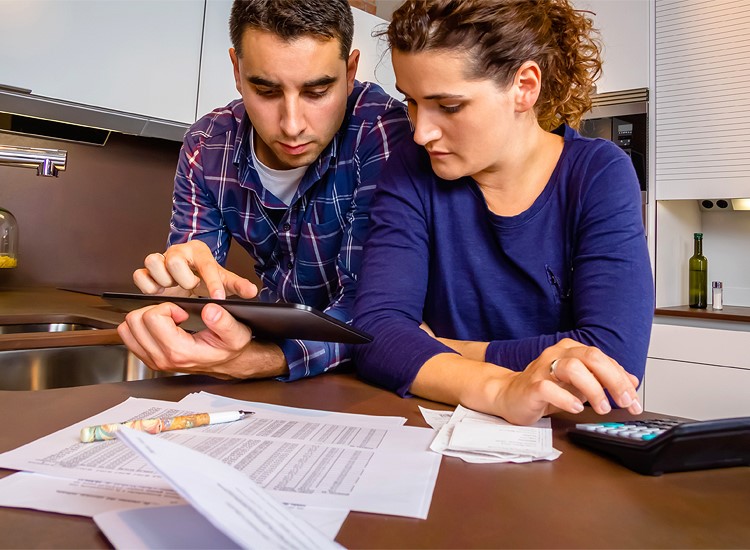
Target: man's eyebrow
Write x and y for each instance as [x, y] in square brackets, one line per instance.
[260, 81]
[322, 81]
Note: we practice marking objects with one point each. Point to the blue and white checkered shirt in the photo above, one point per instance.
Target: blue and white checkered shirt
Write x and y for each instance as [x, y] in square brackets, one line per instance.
[312, 254]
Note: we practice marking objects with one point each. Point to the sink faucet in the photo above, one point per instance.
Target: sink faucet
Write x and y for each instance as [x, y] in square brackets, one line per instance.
[48, 162]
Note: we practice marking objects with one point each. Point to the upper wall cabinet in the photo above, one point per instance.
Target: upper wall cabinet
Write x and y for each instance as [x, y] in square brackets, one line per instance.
[625, 30]
[217, 87]
[132, 56]
[702, 114]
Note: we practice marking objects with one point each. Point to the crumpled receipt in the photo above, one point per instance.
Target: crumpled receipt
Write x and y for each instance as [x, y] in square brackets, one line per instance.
[482, 438]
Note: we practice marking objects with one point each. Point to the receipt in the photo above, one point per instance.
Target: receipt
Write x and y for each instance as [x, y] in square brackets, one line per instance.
[482, 438]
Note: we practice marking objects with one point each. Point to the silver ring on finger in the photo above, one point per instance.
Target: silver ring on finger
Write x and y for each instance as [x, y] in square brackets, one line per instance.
[552, 368]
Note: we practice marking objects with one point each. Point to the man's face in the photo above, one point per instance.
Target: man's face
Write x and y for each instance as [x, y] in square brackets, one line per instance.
[295, 94]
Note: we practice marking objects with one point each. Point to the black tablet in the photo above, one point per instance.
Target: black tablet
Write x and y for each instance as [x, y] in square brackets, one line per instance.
[270, 320]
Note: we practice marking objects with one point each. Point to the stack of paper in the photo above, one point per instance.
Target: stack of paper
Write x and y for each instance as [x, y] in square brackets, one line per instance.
[483, 438]
[319, 464]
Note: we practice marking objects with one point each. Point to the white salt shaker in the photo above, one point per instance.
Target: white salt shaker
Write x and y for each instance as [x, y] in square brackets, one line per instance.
[718, 295]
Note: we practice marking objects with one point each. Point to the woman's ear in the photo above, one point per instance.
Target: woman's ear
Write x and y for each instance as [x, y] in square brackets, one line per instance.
[527, 84]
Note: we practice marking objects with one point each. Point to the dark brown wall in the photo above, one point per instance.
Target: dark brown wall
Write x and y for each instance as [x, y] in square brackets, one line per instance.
[93, 225]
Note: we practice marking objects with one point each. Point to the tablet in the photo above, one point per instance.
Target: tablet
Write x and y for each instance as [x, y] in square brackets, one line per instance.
[266, 319]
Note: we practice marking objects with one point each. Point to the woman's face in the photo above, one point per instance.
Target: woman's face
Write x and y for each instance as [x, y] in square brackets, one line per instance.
[465, 125]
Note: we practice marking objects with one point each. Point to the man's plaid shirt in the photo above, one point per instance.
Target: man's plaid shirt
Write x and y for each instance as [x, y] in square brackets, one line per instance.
[312, 254]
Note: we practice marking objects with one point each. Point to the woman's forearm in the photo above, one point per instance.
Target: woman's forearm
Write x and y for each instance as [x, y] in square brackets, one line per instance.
[456, 379]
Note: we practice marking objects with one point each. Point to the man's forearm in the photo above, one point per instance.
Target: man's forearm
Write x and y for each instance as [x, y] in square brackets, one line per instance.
[261, 360]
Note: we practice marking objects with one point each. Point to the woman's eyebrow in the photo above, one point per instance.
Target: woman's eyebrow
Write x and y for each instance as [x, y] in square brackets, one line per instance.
[444, 96]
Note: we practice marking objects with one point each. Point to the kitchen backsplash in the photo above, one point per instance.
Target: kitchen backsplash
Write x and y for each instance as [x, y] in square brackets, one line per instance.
[94, 224]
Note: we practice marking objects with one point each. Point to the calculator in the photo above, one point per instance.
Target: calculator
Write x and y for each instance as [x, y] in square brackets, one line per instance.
[657, 446]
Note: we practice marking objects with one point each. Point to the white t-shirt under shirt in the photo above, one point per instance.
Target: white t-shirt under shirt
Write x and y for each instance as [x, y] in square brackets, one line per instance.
[282, 183]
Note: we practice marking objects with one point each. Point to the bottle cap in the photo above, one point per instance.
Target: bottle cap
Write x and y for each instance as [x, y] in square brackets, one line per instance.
[716, 284]
[698, 235]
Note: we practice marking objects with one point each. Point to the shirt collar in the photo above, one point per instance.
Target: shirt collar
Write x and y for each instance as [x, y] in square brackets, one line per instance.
[243, 156]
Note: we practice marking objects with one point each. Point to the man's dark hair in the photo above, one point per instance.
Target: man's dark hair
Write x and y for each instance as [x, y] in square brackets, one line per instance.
[292, 19]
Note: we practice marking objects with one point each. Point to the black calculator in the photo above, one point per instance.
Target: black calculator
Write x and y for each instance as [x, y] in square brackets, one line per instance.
[658, 446]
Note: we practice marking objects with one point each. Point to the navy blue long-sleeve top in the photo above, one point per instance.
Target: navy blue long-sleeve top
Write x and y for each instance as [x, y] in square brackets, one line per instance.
[574, 265]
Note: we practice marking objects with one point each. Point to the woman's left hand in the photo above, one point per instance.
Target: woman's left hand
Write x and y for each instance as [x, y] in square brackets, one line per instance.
[565, 376]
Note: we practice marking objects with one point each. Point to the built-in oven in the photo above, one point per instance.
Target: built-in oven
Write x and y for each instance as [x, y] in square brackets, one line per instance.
[622, 117]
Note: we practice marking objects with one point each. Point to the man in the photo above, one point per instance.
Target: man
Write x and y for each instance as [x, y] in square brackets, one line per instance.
[288, 172]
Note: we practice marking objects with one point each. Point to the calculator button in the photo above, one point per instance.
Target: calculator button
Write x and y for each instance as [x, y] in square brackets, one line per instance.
[587, 427]
[649, 437]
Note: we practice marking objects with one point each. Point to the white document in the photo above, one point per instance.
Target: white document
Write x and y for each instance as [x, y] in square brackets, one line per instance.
[210, 401]
[483, 438]
[230, 500]
[167, 528]
[536, 442]
[302, 458]
[436, 419]
[79, 497]
[184, 528]
[144, 506]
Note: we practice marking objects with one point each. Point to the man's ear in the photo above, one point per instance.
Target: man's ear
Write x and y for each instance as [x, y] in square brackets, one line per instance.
[351, 70]
[236, 66]
[527, 85]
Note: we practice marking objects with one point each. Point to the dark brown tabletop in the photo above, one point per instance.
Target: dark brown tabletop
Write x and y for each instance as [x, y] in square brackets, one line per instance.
[581, 500]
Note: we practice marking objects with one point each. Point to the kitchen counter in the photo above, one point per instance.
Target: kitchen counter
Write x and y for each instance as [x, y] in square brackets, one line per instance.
[580, 500]
[26, 305]
[51, 305]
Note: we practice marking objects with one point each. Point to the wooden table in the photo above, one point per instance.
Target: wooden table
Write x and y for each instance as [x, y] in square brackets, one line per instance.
[581, 500]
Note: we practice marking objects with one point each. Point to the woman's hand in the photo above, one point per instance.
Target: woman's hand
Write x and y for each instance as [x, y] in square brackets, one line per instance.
[564, 377]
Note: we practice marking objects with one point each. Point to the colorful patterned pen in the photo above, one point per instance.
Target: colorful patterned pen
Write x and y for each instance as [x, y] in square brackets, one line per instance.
[104, 432]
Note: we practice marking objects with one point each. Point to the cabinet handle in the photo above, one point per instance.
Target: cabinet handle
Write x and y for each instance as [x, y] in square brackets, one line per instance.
[16, 89]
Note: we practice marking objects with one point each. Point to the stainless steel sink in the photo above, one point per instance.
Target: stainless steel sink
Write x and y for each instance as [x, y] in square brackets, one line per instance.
[52, 322]
[63, 367]
[22, 328]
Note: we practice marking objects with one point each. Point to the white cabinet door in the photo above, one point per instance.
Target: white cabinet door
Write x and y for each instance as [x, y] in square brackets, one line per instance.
[694, 390]
[217, 86]
[701, 99]
[625, 31]
[697, 372]
[728, 348]
[133, 56]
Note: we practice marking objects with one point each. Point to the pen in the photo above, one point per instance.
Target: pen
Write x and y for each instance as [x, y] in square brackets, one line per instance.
[104, 432]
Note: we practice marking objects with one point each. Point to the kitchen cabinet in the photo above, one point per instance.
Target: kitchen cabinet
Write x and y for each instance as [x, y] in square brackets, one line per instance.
[700, 148]
[702, 112]
[697, 372]
[143, 67]
[699, 368]
[217, 87]
[625, 27]
[131, 56]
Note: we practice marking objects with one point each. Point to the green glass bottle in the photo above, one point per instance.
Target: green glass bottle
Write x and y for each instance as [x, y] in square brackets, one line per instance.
[698, 274]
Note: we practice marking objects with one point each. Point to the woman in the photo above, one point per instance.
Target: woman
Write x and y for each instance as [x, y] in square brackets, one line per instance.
[506, 267]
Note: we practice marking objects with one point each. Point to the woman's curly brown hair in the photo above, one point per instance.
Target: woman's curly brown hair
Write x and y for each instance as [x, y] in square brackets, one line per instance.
[501, 35]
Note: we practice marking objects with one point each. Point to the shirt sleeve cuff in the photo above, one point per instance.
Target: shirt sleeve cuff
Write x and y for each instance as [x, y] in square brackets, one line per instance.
[306, 358]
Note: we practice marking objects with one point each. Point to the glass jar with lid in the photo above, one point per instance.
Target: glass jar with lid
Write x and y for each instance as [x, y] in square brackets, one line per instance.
[8, 240]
